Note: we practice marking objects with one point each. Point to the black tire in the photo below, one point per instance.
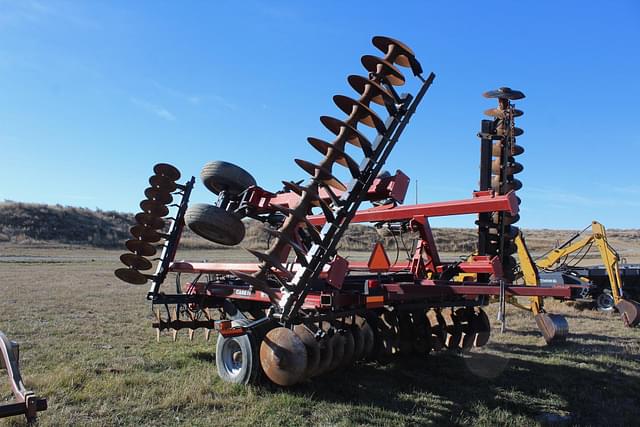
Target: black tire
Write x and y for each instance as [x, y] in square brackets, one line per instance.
[604, 301]
[237, 358]
[218, 176]
[215, 224]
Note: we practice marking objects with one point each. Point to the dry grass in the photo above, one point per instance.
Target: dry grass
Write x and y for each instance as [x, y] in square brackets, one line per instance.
[87, 346]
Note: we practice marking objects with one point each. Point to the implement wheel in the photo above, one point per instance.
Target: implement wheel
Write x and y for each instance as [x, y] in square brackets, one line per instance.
[215, 224]
[237, 357]
[221, 176]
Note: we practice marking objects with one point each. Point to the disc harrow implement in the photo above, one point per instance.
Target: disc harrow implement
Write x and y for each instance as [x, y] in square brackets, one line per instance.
[300, 309]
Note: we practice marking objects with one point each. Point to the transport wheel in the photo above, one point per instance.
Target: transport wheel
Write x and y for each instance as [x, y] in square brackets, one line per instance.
[604, 301]
[220, 176]
[215, 224]
[237, 357]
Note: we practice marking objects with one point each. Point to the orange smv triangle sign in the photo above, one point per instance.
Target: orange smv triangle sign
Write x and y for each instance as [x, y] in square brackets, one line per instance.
[379, 261]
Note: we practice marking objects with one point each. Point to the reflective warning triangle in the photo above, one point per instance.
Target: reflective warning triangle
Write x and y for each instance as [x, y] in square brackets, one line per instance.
[379, 261]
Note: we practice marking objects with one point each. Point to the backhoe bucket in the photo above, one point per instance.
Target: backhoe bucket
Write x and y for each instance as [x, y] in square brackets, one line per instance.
[630, 312]
[554, 327]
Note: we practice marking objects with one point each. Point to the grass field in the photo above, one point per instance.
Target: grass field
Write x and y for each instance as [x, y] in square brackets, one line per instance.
[87, 346]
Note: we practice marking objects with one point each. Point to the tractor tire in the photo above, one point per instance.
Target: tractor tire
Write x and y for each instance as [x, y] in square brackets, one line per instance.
[215, 224]
[220, 176]
[604, 301]
[237, 358]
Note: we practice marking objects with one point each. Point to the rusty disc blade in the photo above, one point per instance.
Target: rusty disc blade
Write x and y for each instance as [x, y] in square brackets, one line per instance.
[326, 355]
[298, 189]
[630, 312]
[370, 90]
[358, 340]
[283, 357]
[352, 134]
[482, 327]
[554, 327]
[504, 93]
[154, 207]
[513, 185]
[132, 276]
[162, 183]
[343, 159]
[516, 131]
[167, 170]
[140, 247]
[368, 339]
[145, 233]
[515, 150]
[454, 331]
[360, 111]
[158, 195]
[401, 52]
[151, 221]
[337, 341]
[324, 174]
[382, 67]
[501, 114]
[511, 169]
[136, 261]
[349, 349]
[313, 349]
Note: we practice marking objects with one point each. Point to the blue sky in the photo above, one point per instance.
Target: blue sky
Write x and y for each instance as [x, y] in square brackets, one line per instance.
[94, 93]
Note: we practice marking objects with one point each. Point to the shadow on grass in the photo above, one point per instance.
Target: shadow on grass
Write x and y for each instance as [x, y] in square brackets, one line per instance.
[448, 388]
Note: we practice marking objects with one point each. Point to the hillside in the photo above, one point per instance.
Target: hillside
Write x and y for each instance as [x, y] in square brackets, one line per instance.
[27, 223]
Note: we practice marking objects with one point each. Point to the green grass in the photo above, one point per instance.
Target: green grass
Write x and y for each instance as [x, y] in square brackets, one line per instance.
[87, 345]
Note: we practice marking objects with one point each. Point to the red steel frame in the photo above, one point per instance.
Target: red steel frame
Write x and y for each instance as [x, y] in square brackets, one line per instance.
[425, 260]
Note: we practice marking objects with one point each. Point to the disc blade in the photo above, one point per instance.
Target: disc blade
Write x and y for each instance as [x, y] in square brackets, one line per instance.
[145, 233]
[151, 221]
[337, 341]
[504, 93]
[313, 349]
[156, 194]
[370, 90]
[342, 158]
[352, 134]
[135, 261]
[154, 207]
[501, 114]
[360, 111]
[321, 173]
[384, 68]
[167, 170]
[140, 247]
[326, 355]
[401, 52]
[162, 183]
[283, 357]
[132, 276]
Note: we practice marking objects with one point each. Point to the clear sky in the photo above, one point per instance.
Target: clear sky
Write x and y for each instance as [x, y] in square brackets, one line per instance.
[92, 94]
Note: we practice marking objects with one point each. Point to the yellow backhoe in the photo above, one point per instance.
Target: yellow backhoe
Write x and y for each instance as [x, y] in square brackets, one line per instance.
[628, 309]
